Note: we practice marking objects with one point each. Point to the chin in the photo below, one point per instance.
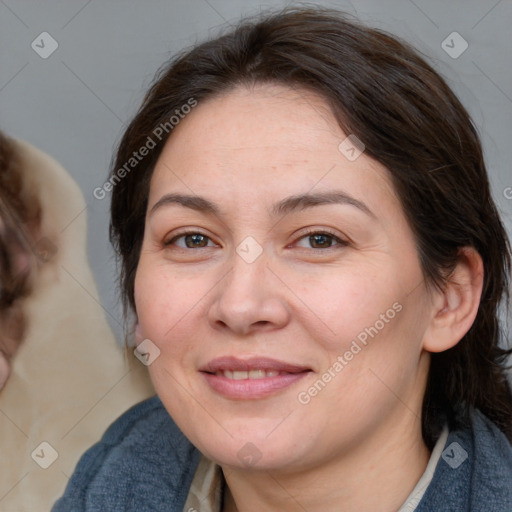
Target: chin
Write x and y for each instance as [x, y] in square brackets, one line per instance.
[253, 449]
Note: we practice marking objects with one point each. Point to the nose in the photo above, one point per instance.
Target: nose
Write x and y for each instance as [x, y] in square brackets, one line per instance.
[249, 299]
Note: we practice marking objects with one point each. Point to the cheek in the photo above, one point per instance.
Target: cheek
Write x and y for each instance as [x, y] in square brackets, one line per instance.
[344, 304]
[370, 328]
[165, 301]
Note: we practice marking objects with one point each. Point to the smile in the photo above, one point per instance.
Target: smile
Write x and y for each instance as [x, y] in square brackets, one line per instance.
[253, 374]
[250, 379]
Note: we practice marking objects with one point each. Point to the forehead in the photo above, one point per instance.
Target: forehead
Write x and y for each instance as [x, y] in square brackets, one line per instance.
[266, 140]
[273, 118]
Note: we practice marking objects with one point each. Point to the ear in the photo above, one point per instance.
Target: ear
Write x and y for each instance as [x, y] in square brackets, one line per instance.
[138, 334]
[456, 306]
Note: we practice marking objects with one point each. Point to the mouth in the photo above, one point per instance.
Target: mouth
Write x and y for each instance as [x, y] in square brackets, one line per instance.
[252, 374]
[250, 379]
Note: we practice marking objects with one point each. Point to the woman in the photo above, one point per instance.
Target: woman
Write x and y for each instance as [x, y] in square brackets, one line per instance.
[315, 264]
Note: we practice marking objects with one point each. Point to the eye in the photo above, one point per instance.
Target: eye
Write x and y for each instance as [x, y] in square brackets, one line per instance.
[320, 240]
[190, 240]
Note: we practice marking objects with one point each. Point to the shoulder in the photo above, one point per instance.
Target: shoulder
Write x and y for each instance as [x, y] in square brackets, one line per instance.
[474, 472]
[143, 462]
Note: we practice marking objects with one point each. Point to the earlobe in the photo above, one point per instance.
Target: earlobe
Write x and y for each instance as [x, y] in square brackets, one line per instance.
[138, 334]
[456, 306]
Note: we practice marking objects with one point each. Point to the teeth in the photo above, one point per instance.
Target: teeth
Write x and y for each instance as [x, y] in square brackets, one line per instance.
[253, 374]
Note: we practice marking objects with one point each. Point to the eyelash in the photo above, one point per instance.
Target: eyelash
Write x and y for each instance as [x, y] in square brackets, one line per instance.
[325, 232]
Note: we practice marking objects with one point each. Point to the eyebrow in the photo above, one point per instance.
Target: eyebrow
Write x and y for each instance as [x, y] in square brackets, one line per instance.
[303, 201]
[197, 203]
[287, 205]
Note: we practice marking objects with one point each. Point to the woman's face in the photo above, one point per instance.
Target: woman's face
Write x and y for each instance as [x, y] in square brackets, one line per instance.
[280, 282]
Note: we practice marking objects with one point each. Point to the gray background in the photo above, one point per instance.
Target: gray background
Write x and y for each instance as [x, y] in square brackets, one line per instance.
[75, 103]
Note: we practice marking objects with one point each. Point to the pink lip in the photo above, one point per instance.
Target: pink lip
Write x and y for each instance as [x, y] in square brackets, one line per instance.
[251, 389]
[253, 363]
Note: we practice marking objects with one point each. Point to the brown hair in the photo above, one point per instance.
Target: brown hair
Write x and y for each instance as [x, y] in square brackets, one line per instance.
[410, 121]
[19, 221]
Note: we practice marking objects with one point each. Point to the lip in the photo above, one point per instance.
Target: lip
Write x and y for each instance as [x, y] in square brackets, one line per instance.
[252, 363]
[251, 389]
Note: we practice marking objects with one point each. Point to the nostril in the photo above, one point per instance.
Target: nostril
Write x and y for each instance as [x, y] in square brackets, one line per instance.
[261, 323]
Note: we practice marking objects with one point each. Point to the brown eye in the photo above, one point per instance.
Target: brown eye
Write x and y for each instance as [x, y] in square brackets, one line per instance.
[190, 241]
[196, 240]
[320, 240]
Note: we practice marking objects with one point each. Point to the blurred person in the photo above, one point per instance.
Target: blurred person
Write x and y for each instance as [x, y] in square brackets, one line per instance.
[50, 319]
[19, 225]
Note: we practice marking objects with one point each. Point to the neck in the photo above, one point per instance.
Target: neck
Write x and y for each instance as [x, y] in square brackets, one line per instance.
[378, 474]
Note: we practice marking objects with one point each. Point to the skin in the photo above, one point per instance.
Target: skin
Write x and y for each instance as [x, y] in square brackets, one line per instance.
[297, 302]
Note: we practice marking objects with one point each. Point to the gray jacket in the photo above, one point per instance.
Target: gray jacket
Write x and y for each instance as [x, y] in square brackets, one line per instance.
[144, 463]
